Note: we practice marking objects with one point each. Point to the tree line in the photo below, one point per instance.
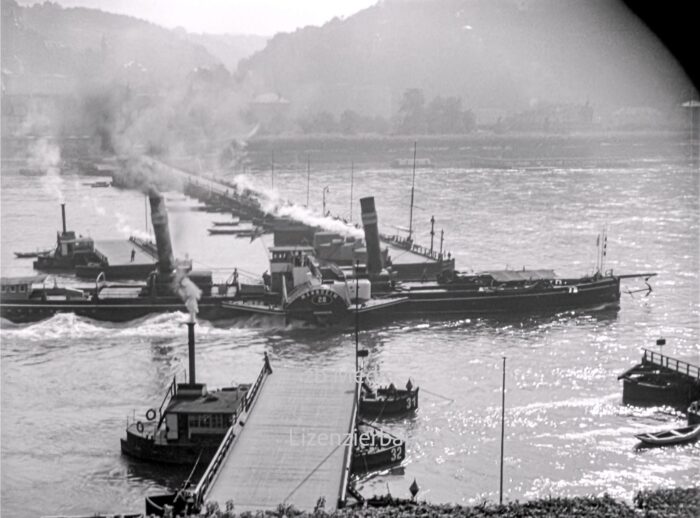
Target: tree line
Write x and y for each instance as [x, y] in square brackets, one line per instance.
[440, 116]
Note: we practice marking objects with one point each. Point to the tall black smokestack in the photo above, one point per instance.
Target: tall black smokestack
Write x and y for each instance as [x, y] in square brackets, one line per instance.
[369, 221]
[159, 217]
[190, 347]
[63, 216]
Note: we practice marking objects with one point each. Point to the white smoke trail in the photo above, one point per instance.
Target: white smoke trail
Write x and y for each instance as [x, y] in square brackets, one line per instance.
[46, 157]
[127, 231]
[271, 203]
[188, 291]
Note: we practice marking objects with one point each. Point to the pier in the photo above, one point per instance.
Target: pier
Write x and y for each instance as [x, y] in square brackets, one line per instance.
[661, 380]
[291, 444]
[218, 193]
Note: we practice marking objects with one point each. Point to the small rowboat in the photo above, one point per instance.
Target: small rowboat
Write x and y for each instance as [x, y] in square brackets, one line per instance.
[233, 223]
[27, 255]
[668, 437]
[376, 449]
[388, 401]
[242, 232]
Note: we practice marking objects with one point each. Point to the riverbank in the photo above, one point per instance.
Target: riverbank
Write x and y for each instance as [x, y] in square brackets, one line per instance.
[679, 503]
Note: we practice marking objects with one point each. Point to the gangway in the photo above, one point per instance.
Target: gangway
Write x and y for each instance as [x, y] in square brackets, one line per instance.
[291, 445]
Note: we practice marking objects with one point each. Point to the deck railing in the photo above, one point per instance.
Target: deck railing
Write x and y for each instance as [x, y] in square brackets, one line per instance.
[172, 390]
[212, 471]
[347, 455]
[671, 363]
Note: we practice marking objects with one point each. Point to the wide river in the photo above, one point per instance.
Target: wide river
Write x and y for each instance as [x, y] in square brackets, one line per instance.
[69, 383]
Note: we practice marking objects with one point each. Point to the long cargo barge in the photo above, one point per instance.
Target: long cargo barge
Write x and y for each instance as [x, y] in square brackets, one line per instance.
[170, 287]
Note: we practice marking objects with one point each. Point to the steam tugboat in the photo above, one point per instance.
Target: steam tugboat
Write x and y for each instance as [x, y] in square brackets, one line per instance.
[70, 251]
[190, 422]
[166, 288]
[301, 288]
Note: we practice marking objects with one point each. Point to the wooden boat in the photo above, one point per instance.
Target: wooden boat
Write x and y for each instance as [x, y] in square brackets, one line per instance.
[233, 223]
[669, 437]
[99, 184]
[694, 413]
[376, 449]
[242, 232]
[388, 401]
[29, 255]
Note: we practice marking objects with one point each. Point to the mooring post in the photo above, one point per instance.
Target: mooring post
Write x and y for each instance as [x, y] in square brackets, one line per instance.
[503, 424]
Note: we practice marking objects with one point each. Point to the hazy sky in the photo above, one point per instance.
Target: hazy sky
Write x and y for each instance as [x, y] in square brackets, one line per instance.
[264, 17]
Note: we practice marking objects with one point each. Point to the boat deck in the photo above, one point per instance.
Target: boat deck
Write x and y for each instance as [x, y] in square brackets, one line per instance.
[118, 252]
[403, 256]
[294, 447]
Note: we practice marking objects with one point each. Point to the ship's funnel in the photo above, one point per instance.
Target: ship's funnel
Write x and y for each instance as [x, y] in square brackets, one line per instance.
[159, 217]
[190, 347]
[63, 216]
[369, 222]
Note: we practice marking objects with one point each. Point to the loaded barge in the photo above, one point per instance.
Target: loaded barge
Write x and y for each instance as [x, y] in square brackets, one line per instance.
[118, 259]
[28, 299]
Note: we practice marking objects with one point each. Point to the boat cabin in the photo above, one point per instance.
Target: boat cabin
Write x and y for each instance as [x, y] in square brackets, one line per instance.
[19, 288]
[292, 266]
[193, 411]
[67, 244]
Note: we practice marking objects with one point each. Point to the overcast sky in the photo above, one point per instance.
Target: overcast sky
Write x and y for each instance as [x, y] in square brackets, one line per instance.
[264, 17]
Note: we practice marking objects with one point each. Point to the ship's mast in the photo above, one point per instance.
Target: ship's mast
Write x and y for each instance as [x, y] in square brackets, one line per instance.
[413, 189]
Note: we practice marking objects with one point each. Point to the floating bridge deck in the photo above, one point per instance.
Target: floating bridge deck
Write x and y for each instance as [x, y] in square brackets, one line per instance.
[210, 188]
[291, 446]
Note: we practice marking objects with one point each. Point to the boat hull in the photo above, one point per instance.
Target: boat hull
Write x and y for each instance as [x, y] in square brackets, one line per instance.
[184, 454]
[112, 310]
[386, 404]
[671, 437]
[120, 271]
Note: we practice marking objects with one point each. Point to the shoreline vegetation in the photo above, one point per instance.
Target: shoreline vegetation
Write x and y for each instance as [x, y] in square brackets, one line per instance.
[657, 503]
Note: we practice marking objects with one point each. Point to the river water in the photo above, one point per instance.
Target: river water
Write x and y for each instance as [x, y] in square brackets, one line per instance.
[69, 383]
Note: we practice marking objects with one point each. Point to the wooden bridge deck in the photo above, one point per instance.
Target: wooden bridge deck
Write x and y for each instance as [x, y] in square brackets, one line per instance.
[294, 447]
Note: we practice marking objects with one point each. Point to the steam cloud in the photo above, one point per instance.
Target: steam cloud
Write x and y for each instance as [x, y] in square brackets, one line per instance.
[45, 156]
[188, 292]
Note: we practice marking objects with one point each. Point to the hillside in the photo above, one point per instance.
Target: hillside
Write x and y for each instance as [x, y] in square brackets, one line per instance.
[493, 55]
[80, 44]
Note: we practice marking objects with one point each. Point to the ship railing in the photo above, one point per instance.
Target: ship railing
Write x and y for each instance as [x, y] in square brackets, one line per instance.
[234, 430]
[680, 366]
[172, 390]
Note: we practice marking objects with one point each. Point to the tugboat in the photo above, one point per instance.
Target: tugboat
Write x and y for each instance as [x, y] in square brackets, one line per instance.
[70, 251]
[165, 290]
[189, 424]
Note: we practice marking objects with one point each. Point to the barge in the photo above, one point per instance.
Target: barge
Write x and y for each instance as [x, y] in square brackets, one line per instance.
[659, 380]
[29, 299]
